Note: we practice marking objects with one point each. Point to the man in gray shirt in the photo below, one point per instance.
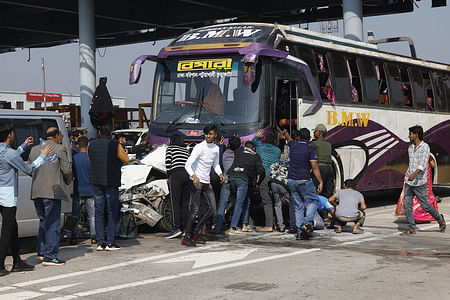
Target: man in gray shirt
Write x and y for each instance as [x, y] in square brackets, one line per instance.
[350, 207]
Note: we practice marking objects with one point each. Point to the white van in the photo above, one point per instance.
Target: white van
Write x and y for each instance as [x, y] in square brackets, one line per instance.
[33, 123]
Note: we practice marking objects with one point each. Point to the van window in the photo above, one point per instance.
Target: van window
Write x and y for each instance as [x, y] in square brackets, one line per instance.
[36, 128]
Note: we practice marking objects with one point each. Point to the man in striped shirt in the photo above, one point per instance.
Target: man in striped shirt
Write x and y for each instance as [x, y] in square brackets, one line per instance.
[416, 182]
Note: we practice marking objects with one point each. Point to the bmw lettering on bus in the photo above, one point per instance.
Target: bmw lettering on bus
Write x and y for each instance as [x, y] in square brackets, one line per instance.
[347, 119]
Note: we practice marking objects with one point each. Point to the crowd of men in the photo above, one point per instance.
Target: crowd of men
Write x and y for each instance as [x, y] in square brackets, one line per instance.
[254, 168]
[244, 170]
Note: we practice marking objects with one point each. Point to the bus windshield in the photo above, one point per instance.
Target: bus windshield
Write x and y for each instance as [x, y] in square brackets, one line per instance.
[205, 90]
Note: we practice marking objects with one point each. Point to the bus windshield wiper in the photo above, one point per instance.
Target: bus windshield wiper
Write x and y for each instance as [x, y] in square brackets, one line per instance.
[175, 121]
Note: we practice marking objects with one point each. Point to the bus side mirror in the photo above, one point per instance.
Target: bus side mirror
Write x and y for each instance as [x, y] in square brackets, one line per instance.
[249, 73]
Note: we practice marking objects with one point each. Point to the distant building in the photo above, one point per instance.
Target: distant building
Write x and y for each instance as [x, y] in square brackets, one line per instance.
[27, 100]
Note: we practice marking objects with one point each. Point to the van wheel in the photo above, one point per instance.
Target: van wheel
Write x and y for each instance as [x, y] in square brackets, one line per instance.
[165, 210]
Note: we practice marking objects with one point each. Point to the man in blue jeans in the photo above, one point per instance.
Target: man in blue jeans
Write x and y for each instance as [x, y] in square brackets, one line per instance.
[106, 158]
[246, 169]
[302, 159]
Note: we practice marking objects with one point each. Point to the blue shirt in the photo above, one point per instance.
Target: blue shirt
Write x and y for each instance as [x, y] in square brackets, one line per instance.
[82, 168]
[10, 163]
[323, 203]
[269, 154]
[300, 155]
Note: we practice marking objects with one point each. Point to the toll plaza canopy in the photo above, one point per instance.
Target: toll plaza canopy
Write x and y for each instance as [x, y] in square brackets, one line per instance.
[44, 23]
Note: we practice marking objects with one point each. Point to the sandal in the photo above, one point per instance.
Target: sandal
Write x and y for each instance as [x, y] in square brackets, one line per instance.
[360, 231]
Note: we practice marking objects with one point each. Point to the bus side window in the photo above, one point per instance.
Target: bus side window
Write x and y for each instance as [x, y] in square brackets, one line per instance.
[308, 57]
[355, 80]
[419, 92]
[439, 91]
[369, 81]
[428, 87]
[406, 87]
[340, 77]
[326, 90]
[382, 84]
[395, 85]
[446, 81]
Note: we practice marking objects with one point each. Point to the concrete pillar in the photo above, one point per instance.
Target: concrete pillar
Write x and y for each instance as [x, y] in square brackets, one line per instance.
[86, 27]
[352, 12]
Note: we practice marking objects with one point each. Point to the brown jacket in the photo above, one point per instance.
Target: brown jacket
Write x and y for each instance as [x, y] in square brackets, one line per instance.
[52, 180]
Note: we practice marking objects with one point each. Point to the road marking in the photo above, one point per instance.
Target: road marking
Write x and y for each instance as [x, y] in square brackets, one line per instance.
[21, 295]
[379, 237]
[59, 287]
[181, 275]
[211, 258]
[109, 267]
[6, 288]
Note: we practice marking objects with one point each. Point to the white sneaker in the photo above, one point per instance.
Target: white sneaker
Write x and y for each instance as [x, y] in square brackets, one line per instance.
[235, 231]
[101, 247]
[112, 247]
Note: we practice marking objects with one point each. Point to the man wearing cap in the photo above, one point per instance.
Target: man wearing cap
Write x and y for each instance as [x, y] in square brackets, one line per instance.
[10, 164]
[323, 150]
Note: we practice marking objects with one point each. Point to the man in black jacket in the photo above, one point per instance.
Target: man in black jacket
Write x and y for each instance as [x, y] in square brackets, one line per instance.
[106, 158]
[246, 168]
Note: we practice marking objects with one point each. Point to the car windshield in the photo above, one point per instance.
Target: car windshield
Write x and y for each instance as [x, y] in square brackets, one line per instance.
[204, 90]
[131, 137]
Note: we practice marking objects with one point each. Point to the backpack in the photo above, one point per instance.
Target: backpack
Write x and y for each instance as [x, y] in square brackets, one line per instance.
[126, 227]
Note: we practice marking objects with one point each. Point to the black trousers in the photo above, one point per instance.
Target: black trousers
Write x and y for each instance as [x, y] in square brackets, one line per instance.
[327, 174]
[201, 196]
[10, 235]
[179, 184]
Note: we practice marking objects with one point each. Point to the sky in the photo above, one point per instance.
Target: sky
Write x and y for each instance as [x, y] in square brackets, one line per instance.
[426, 26]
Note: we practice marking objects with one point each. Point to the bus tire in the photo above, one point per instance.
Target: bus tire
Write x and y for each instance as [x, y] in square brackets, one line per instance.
[165, 210]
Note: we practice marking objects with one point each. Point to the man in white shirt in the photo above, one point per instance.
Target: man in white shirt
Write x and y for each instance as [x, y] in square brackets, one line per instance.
[416, 182]
[204, 156]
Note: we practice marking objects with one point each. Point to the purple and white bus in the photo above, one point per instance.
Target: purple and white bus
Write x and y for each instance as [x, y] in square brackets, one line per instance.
[247, 76]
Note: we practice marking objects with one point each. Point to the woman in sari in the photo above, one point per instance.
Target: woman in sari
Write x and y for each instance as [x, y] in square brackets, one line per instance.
[420, 216]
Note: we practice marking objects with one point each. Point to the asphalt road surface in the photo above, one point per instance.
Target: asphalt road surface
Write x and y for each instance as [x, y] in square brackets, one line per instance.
[379, 264]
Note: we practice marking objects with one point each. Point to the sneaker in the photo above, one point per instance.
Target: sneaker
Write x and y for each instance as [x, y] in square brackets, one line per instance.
[188, 241]
[22, 266]
[198, 239]
[112, 247]
[307, 229]
[101, 247]
[302, 236]
[40, 257]
[174, 233]
[247, 228]
[53, 262]
[235, 231]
